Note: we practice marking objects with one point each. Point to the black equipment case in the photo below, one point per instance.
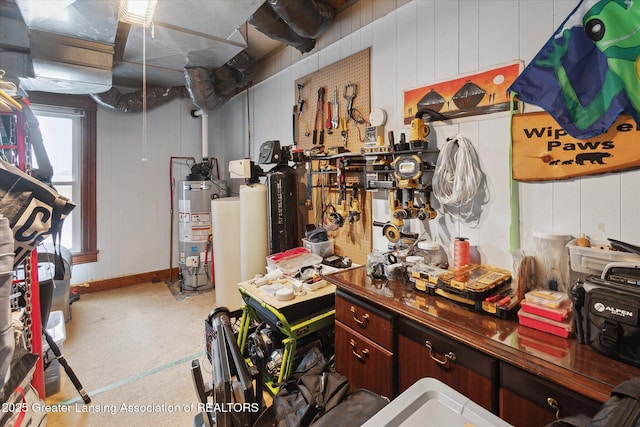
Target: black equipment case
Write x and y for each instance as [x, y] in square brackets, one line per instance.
[607, 311]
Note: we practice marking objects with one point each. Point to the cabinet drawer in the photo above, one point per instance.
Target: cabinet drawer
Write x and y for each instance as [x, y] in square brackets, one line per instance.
[363, 362]
[524, 399]
[373, 323]
[423, 352]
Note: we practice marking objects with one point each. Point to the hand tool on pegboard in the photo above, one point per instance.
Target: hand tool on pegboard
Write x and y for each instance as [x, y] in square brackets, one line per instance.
[319, 113]
[343, 129]
[328, 122]
[301, 110]
[336, 107]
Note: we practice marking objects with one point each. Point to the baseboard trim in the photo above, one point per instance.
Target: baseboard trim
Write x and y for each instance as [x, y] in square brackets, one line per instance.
[121, 282]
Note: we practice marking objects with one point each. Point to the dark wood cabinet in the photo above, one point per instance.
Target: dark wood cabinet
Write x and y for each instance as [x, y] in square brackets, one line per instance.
[364, 345]
[388, 336]
[424, 353]
[527, 400]
[365, 363]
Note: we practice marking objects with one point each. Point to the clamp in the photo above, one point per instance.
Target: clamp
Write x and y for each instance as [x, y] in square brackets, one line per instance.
[350, 92]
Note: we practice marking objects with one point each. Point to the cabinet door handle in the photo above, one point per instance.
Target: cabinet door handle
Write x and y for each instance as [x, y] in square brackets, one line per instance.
[442, 361]
[365, 317]
[354, 350]
[555, 405]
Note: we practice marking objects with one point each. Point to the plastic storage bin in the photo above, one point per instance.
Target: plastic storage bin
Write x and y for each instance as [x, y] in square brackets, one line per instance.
[430, 402]
[324, 249]
[55, 328]
[594, 259]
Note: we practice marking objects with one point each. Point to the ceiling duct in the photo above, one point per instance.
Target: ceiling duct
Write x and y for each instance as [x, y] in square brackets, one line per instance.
[133, 102]
[308, 18]
[210, 90]
[270, 24]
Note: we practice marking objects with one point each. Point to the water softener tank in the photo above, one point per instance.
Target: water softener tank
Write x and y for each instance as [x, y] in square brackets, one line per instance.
[283, 208]
[194, 230]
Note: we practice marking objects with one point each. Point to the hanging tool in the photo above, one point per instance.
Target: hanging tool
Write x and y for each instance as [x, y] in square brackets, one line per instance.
[328, 122]
[336, 106]
[295, 121]
[350, 92]
[343, 129]
[354, 205]
[301, 110]
[319, 112]
[340, 213]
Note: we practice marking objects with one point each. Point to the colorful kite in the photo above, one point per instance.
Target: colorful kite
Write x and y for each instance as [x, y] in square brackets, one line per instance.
[588, 71]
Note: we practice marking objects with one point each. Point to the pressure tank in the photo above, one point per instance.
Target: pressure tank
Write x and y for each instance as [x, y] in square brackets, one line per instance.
[195, 259]
[283, 208]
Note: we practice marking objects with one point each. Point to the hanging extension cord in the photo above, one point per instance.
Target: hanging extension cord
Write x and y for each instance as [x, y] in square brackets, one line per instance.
[457, 176]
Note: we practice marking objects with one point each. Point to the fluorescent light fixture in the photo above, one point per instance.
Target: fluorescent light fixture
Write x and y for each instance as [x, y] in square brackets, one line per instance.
[137, 12]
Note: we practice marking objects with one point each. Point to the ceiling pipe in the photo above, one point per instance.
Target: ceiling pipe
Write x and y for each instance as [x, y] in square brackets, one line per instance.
[205, 130]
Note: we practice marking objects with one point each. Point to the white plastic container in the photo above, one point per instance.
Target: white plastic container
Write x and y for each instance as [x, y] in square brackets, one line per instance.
[552, 260]
[593, 259]
[430, 251]
[56, 329]
[324, 249]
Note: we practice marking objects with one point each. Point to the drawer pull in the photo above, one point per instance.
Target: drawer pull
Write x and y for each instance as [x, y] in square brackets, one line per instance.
[354, 350]
[449, 356]
[365, 317]
[554, 404]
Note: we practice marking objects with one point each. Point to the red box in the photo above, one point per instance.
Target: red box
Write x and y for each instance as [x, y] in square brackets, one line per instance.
[559, 314]
[561, 329]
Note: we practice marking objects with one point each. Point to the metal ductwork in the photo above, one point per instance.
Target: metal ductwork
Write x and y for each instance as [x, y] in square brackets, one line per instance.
[133, 102]
[210, 90]
[80, 46]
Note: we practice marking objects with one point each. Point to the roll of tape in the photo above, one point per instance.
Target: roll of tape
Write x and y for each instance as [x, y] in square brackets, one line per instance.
[285, 294]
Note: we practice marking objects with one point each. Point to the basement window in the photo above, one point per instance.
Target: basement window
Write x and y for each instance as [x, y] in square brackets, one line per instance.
[68, 127]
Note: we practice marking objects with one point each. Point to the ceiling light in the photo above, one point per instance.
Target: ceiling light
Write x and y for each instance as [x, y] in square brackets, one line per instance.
[137, 12]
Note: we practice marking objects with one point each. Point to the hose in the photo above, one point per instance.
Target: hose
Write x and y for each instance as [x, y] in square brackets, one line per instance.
[457, 175]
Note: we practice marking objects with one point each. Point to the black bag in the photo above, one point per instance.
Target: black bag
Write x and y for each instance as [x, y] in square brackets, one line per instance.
[622, 409]
[612, 326]
[606, 313]
[34, 210]
[312, 390]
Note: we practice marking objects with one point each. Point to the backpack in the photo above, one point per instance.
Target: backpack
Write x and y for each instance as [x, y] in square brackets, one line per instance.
[622, 409]
[308, 393]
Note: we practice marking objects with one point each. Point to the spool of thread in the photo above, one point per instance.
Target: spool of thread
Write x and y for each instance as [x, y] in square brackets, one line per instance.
[461, 259]
[460, 252]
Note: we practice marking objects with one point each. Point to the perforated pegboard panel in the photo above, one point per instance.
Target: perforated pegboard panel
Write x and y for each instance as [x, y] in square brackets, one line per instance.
[352, 239]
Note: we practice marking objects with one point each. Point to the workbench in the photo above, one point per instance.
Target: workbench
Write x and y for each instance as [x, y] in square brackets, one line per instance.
[388, 336]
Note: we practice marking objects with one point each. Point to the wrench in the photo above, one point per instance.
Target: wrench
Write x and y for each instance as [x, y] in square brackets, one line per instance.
[334, 119]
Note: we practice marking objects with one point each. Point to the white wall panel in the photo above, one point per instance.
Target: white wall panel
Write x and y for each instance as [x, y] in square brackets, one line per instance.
[469, 24]
[600, 206]
[498, 20]
[426, 38]
[629, 207]
[133, 196]
[447, 38]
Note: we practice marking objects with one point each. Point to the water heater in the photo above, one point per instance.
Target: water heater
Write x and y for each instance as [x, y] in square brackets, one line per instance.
[195, 251]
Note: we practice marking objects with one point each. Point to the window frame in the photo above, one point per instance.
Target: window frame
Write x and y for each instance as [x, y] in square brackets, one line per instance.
[88, 223]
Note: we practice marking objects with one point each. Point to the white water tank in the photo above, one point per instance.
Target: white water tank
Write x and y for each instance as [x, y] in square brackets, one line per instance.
[254, 230]
[226, 251]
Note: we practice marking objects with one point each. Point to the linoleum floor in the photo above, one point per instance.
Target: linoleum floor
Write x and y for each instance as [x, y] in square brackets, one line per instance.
[131, 348]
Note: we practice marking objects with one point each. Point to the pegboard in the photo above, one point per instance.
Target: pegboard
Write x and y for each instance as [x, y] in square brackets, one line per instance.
[352, 239]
